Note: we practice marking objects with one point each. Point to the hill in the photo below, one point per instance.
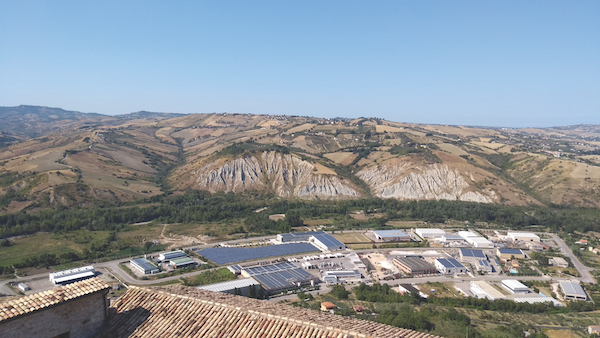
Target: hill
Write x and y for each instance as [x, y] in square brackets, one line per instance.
[50, 157]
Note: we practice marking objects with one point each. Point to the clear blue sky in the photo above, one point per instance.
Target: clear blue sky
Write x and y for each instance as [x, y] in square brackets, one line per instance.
[494, 63]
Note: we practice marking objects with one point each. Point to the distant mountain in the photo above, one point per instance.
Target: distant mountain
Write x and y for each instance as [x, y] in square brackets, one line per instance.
[50, 157]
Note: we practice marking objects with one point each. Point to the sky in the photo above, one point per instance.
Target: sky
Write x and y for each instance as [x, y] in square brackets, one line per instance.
[484, 63]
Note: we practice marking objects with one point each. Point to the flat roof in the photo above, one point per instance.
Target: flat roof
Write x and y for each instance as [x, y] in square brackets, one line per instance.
[84, 274]
[450, 263]
[344, 273]
[522, 234]
[410, 288]
[235, 268]
[533, 300]
[144, 264]
[472, 253]
[414, 263]
[514, 284]
[74, 271]
[229, 285]
[283, 279]
[573, 289]
[328, 240]
[172, 254]
[259, 270]
[483, 262]
[490, 290]
[182, 260]
[390, 233]
[510, 251]
[431, 230]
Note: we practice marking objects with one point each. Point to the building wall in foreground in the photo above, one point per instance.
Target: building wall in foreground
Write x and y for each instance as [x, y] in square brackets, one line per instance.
[81, 317]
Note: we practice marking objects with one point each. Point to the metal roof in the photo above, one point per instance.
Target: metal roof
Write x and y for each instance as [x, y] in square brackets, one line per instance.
[472, 253]
[488, 289]
[514, 284]
[390, 233]
[172, 254]
[505, 251]
[414, 263]
[483, 262]
[533, 300]
[344, 273]
[229, 285]
[259, 270]
[222, 255]
[183, 261]
[84, 274]
[328, 240]
[144, 264]
[283, 279]
[573, 289]
[299, 236]
[450, 263]
[74, 271]
[235, 268]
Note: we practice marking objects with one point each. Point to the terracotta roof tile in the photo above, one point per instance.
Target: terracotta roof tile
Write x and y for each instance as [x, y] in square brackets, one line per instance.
[189, 312]
[34, 302]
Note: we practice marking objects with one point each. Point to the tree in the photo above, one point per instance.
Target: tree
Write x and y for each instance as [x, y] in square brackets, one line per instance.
[339, 291]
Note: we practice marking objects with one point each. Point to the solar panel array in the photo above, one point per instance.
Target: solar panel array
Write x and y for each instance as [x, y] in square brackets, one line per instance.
[144, 264]
[233, 255]
[472, 253]
[259, 270]
[283, 279]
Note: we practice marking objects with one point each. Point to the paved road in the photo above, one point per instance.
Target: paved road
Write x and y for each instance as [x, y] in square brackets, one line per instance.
[584, 271]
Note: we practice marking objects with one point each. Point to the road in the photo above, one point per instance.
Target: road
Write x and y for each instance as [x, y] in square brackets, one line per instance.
[584, 271]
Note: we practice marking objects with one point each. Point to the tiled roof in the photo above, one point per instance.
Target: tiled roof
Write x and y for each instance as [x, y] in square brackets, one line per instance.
[176, 311]
[37, 301]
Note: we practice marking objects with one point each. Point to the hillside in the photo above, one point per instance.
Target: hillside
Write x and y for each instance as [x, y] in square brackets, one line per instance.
[51, 157]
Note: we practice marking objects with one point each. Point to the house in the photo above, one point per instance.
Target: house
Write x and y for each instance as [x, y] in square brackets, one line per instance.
[582, 242]
[326, 306]
[594, 329]
[358, 308]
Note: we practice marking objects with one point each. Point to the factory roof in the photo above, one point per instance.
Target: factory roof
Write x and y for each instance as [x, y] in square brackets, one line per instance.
[483, 262]
[450, 263]
[191, 312]
[414, 263]
[533, 300]
[472, 253]
[328, 240]
[229, 285]
[283, 279]
[490, 290]
[39, 301]
[259, 270]
[514, 284]
[390, 233]
[505, 251]
[573, 289]
[144, 264]
[182, 261]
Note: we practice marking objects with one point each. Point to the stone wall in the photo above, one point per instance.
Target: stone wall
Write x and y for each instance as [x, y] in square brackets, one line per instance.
[81, 317]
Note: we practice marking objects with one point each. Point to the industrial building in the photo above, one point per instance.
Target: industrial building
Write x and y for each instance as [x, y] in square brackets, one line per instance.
[326, 242]
[558, 261]
[535, 300]
[144, 266]
[452, 238]
[182, 262]
[235, 269]
[72, 275]
[391, 236]
[482, 289]
[427, 233]
[515, 286]
[471, 255]
[274, 282]
[476, 240]
[23, 287]
[236, 286]
[341, 276]
[506, 254]
[449, 266]
[261, 269]
[523, 236]
[404, 288]
[414, 266]
[297, 237]
[573, 291]
[483, 266]
[167, 256]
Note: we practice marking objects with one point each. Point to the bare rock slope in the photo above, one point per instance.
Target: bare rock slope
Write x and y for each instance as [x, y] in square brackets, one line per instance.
[284, 174]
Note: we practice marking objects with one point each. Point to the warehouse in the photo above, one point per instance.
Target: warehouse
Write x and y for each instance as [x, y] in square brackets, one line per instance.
[182, 262]
[559, 261]
[262, 269]
[523, 236]
[72, 275]
[235, 269]
[391, 236]
[452, 238]
[471, 255]
[414, 266]
[515, 286]
[326, 242]
[167, 256]
[482, 289]
[506, 254]
[480, 242]
[278, 281]
[297, 237]
[342, 276]
[573, 291]
[483, 266]
[449, 266]
[430, 233]
[236, 286]
[144, 266]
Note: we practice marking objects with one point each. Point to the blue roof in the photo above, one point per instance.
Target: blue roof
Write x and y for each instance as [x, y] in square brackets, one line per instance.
[510, 251]
[283, 279]
[390, 233]
[483, 262]
[144, 264]
[259, 270]
[328, 240]
[233, 255]
[472, 253]
[450, 263]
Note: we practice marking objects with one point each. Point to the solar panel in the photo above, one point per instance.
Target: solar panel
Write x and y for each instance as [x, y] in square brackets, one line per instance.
[283, 279]
[234, 255]
[328, 240]
[144, 264]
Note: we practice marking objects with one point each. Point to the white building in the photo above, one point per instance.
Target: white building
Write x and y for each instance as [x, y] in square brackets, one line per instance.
[449, 266]
[480, 242]
[515, 286]
[167, 256]
[573, 290]
[482, 289]
[523, 236]
[72, 275]
[559, 261]
[430, 233]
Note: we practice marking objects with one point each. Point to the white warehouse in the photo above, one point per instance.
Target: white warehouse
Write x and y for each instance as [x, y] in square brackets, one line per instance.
[515, 286]
[523, 236]
[430, 233]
